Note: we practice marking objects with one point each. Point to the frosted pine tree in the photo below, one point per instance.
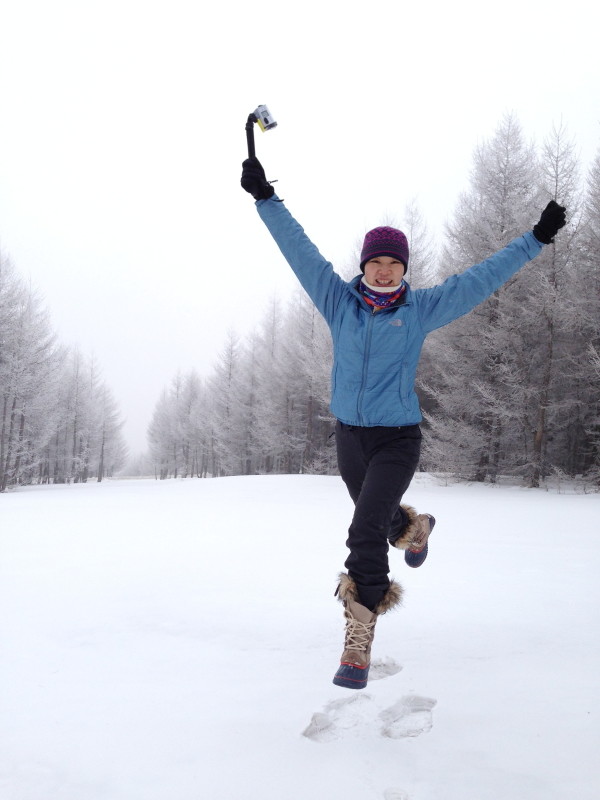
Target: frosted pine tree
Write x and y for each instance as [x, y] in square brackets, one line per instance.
[308, 372]
[174, 435]
[472, 426]
[547, 345]
[269, 409]
[162, 438]
[593, 470]
[30, 365]
[585, 439]
[423, 260]
[110, 452]
[87, 440]
[226, 412]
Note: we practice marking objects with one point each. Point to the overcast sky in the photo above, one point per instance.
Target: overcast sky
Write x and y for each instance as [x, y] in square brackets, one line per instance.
[122, 136]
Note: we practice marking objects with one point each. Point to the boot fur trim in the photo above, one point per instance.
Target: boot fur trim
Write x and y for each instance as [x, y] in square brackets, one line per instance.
[347, 590]
[391, 599]
[411, 529]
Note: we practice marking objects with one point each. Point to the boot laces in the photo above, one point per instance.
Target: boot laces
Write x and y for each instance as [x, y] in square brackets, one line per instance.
[358, 634]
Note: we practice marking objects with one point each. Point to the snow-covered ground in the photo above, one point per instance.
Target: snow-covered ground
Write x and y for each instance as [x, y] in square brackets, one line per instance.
[176, 641]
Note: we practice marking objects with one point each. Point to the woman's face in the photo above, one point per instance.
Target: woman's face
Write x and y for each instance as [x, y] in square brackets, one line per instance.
[384, 271]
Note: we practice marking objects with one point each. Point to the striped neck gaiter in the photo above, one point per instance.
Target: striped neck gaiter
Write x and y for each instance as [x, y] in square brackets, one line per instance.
[381, 299]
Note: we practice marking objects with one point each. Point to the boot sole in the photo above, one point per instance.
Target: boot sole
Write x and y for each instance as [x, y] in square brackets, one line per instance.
[351, 676]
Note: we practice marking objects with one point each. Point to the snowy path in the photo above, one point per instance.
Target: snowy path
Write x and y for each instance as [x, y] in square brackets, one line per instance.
[175, 640]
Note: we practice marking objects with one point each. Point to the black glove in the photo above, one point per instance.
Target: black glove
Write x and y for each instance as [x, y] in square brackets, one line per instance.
[551, 221]
[254, 180]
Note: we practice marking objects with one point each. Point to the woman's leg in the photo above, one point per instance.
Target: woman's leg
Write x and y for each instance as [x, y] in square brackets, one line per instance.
[377, 466]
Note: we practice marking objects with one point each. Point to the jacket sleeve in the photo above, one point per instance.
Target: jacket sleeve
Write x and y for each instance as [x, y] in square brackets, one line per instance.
[459, 294]
[315, 273]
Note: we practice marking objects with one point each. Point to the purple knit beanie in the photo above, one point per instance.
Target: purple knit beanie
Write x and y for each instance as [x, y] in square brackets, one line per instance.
[384, 242]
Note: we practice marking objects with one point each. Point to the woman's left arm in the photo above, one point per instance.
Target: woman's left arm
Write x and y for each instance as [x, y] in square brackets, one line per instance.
[459, 294]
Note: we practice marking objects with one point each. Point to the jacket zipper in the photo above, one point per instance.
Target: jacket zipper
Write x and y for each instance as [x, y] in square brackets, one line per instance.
[365, 367]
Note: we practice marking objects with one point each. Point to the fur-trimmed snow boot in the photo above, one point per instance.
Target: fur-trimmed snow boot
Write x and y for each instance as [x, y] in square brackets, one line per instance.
[353, 671]
[415, 537]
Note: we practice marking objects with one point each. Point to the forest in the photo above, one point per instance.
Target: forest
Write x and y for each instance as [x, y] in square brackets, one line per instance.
[59, 422]
[511, 389]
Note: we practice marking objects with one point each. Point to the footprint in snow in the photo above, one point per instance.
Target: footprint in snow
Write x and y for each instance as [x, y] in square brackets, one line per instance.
[410, 716]
[358, 715]
[383, 668]
[339, 717]
[395, 794]
[346, 713]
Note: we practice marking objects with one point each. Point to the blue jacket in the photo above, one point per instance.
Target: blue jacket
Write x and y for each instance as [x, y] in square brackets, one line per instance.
[376, 354]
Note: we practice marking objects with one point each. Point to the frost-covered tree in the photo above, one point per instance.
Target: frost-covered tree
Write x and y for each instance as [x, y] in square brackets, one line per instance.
[174, 434]
[594, 424]
[110, 452]
[87, 440]
[265, 393]
[30, 362]
[308, 359]
[161, 437]
[584, 443]
[473, 421]
[423, 260]
[545, 378]
[226, 413]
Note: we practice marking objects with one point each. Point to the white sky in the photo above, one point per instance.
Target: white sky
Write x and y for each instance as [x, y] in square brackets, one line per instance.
[122, 136]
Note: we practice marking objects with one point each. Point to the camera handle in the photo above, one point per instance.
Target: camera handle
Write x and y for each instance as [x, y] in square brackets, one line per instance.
[250, 135]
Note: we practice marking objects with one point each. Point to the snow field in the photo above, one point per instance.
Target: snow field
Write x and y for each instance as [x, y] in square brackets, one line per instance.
[177, 640]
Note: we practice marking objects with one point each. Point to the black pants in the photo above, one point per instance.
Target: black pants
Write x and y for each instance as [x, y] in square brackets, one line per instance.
[377, 466]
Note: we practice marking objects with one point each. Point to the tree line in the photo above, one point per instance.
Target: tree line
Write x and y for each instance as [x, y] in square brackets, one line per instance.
[59, 422]
[513, 388]
[514, 385]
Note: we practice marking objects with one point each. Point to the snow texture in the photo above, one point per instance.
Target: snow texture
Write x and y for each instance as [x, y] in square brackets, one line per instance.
[176, 640]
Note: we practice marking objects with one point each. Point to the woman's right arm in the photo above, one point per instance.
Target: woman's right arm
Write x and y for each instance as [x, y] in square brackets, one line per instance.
[315, 273]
